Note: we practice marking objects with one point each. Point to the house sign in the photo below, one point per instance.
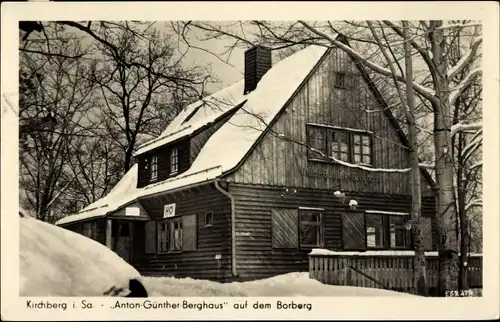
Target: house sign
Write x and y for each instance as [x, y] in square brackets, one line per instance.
[132, 211]
[169, 210]
[329, 173]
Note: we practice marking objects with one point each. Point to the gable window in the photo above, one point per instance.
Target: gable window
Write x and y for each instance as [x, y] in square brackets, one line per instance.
[174, 161]
[339, 145]
[340, 79]
[154, 168]
[342, 144]
[310, 228]
[209, 219]
[362, 149]
[317, 141]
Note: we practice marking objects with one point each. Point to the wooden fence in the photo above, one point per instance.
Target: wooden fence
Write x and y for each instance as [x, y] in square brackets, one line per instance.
[393, 272]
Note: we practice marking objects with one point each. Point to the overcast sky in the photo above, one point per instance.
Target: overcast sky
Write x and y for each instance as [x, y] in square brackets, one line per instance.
[227, 74]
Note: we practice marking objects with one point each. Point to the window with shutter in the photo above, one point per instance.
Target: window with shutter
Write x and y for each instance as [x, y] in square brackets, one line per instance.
[150, 237]
[310, 229]
[189, 233]
[285, 228]
[353, 231]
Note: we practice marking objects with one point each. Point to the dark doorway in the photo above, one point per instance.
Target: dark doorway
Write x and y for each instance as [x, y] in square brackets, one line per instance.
[121, 239]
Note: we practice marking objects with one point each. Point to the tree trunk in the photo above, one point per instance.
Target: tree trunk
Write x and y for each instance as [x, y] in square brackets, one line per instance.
[128, 160]
[464, 227]
[448, 246]
[419, 275]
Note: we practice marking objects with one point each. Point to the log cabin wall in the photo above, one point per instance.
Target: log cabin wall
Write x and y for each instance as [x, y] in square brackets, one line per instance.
[283, 161]
[256, 254]
[210, 241]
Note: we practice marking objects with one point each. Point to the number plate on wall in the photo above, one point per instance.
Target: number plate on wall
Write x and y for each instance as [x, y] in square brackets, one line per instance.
[169, 210]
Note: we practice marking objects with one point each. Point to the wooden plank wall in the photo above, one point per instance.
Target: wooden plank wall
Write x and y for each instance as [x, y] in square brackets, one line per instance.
[253, 204]
[280, 162]
[211, 240]
[389, 272]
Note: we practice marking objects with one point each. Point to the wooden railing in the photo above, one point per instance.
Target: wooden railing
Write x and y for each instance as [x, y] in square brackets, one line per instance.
[382, 270]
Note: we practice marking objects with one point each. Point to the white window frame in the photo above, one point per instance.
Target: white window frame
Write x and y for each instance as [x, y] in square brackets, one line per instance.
[154, 168]
[170, 234]
[174, 156]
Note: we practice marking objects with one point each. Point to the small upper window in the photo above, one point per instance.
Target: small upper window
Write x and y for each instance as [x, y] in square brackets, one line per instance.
[174, 161]
[340, 79]
[154, 168]
[209, 219]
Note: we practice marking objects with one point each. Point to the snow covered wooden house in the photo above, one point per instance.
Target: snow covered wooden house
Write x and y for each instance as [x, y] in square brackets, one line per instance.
[243, 184]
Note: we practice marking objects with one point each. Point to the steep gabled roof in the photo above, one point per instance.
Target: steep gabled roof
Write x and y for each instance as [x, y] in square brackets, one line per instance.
[228, 146]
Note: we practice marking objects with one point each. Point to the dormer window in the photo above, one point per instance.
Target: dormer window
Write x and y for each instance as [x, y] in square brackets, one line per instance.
[174, 161]
[154, 168]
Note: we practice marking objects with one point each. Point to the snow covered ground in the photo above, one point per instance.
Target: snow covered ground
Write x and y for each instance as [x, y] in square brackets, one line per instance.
[57, 262]
[292, 284]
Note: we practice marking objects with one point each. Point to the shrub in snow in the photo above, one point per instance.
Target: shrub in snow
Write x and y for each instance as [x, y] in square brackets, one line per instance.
[54, 261]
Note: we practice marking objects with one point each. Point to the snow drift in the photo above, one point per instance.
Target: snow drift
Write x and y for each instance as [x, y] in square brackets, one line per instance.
[292, 284]
[57, 262]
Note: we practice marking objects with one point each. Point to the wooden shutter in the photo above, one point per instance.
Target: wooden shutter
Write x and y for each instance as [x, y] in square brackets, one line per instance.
[426, 228]
[353, 231]
[150, 237]
[285, 228]
[189, 233]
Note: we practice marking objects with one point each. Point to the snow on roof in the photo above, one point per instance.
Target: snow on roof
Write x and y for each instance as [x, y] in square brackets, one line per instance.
[205, 111]
[227, 146]
[124, 188]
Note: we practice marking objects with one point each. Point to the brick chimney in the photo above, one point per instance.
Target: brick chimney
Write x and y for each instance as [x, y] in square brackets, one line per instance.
[257, 62]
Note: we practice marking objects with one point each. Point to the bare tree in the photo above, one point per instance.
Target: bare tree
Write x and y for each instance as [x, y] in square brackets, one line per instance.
[54, 97]
[136, 83]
